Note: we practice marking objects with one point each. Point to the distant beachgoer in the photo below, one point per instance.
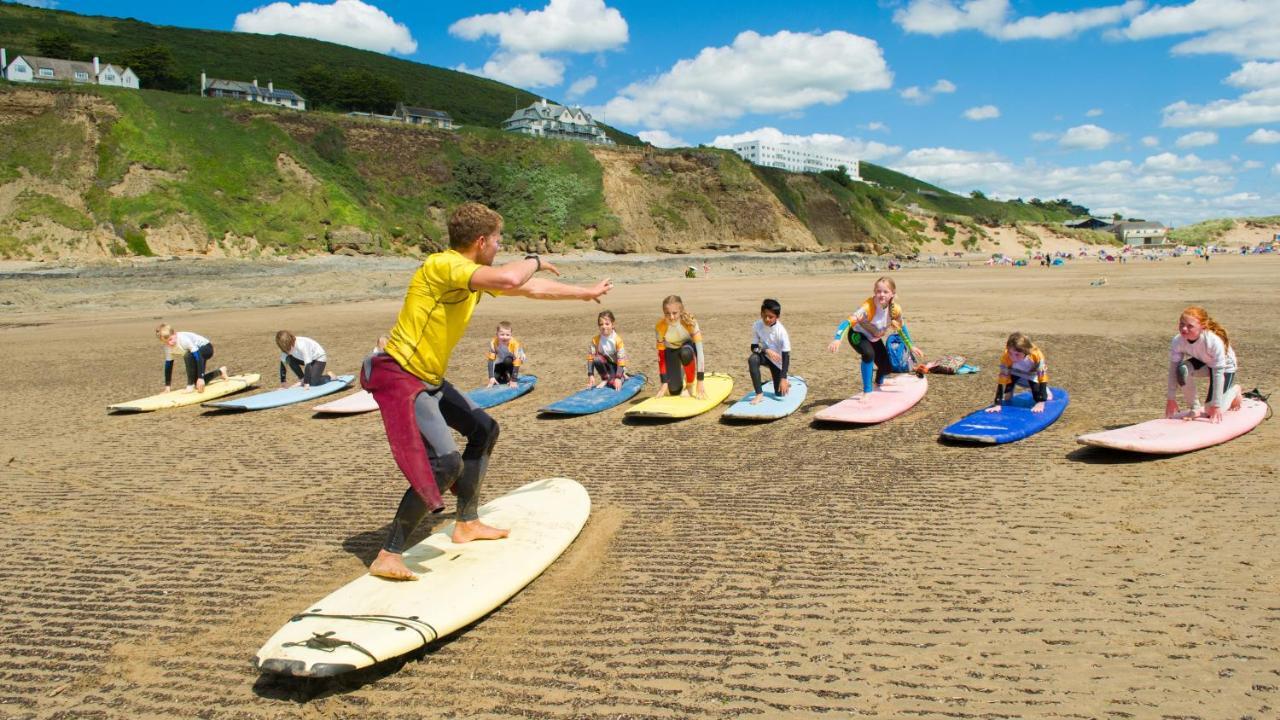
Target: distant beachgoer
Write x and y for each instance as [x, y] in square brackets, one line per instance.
[869, 326]
[770, 347]
[1022, 364]
[680, 353]
[195, 350]
[1201, 349]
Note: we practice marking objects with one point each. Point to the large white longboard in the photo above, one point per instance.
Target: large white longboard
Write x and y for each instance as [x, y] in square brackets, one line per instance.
[371, 619]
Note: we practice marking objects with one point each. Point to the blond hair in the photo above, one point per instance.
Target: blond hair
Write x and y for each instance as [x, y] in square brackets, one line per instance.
[686, 318]
[164, 331]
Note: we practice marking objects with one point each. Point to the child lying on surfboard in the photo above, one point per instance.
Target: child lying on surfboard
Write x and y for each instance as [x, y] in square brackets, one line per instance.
[195, 350]
[506, 355]
[876, 319]
[1201, 349]
[771, 348]
[607, 356]
[1022, 364]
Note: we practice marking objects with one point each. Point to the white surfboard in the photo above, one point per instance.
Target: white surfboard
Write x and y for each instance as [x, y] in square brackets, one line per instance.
[372, 619]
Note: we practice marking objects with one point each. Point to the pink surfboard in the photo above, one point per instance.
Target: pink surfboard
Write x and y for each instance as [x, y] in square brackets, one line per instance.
[1168, 437]
[360, 402]
[899, 394]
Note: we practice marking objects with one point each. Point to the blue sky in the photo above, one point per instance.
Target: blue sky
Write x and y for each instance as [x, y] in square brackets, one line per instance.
[1161, 110]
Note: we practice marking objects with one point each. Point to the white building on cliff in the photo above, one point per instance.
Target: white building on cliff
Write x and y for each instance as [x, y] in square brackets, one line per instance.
[544, 119]
[35, 69]
[795, 158]
[251, 92]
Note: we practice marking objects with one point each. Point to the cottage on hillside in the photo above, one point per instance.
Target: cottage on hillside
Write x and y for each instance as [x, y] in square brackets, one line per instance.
[1088, 223]
[544, 119]
[1139, 232]
[251, 92]
[35, 69]
[423, 116]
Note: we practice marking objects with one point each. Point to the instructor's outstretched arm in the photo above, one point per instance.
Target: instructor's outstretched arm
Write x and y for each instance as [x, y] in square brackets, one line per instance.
[543, 289]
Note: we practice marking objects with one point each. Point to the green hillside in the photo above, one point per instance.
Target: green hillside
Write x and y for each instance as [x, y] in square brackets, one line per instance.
[283, 59]
[983, 210]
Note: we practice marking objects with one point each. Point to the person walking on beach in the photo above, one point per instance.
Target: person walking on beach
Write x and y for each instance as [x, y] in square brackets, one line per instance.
[418, 406]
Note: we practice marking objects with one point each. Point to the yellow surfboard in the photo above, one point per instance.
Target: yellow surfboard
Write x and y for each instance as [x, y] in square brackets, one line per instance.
[717, 385]
[177, 398]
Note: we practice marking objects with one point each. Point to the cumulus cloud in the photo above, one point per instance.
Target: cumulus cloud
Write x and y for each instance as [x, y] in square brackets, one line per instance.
[1042, 136]
[581, 87]
[1262, 136]
[1256, 75]
[1258, 107]
[982, 112]
[780, 73]
[1244, 28]
[915, 95]
[520, 69]
[346, 22]
[992, 18]
[662, 139]
[876, 126]
[1200, 138]
[836, 144]
[1251, 165]
[1094, 112]
[1151, 141]
[1087, 137]
[525, 38]
[944, 86]
[1168, 162]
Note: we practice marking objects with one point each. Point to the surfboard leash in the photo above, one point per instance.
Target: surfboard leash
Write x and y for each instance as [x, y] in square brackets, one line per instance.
[1256, 394]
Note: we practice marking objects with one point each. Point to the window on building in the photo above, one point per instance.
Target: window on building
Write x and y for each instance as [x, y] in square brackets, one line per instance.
[46, 72]
[82, 76]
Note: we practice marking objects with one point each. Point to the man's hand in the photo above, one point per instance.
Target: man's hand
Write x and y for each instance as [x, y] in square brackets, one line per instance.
[598, 290]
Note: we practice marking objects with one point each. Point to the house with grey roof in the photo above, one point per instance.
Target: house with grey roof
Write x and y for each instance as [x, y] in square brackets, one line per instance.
[544, 119]
[1141, 232]
[36, 69]
[1088, 223]
[251, 92]
[423, 116]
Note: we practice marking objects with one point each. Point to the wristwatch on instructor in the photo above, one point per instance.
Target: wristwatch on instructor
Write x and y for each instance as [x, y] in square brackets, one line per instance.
[535, 258]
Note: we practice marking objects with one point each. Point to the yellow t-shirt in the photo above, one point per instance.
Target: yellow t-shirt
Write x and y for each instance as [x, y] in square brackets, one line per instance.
[437, 308]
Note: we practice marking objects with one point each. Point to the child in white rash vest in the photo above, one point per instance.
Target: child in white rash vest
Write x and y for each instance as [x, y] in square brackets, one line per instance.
[607, 356]
[304, 357]
[770, 348]
[195, 350]
[1201, 349]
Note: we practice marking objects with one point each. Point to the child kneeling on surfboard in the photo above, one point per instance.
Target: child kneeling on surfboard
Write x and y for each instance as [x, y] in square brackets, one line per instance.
[1022, 364]
[418, 406]
[1201, 349]
[770, 347]
[195, 350]
[869, 326]
[679, 350]
[506, 355]
[607, 356]
[304, 356]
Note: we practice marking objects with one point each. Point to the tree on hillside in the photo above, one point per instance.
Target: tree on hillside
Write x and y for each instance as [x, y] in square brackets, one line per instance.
[840, 175]
[155, 67]
[978, 195]
[358, 90]
[59, 45]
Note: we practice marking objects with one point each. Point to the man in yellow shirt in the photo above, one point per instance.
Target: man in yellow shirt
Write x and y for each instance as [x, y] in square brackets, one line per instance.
[419, 406]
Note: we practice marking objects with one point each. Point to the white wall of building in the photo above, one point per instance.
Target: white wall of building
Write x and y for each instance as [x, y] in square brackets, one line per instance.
[794, 158]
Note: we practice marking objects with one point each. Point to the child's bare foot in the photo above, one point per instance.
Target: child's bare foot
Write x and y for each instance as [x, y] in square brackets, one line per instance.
[222, 373]
[759, 398]
[1235, 402]
[468, 530]
[391, 566]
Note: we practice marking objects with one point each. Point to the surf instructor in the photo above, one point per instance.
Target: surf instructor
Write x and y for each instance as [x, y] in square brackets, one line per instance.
[419, 406]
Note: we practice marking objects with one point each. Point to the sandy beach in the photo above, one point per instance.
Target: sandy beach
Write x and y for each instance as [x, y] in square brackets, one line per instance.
[775, 570]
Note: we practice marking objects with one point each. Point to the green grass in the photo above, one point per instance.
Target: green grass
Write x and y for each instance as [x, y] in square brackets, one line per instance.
[1210, 230]
[36, 206]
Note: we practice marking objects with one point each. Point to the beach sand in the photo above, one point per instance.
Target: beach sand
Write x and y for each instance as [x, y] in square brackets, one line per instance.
[773, 570]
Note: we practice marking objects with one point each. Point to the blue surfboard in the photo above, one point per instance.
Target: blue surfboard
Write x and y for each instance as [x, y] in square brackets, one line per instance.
[1014, 421]
[283, 396]
[773, 406]
[487, 397]
[593, 400]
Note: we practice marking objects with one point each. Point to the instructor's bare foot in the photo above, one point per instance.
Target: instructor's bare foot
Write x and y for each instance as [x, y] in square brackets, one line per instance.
[391, 566]
[468, 530]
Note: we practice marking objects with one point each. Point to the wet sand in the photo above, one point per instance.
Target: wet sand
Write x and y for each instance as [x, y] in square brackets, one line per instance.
[774, 570]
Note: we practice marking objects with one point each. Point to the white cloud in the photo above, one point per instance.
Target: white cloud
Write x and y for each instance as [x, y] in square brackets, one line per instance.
[1094, 112]
[581, 87]
[1087, 137]
[1256, 75]
[662, 139]
[1251, 165]
[915, 95]
[562, 26]
[982, 112]
[46, 4]
[835, 144]
[1151, 141]
[346, 22]
[1262, 136]
[991, 17]
[1200, 138]
[1276, 169]
[1042, 136]
[876, 126]
[1252, 108]
[944, 86]
[526, 37]
[1168, 162]
[779, 73]
[520, 69]
[1243, 28]
[918, 96]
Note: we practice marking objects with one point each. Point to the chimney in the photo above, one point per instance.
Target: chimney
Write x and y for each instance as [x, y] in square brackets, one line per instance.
[204, 83]
[4, 61]
[255, 82]
[96, 67]
[271, 88]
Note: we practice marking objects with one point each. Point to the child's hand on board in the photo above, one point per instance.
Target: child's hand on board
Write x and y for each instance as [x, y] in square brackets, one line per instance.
[784, 386]
[699, 392]
[1214, 413]
[492, 382]
[617, 383]
[994, 408]
[513, 383]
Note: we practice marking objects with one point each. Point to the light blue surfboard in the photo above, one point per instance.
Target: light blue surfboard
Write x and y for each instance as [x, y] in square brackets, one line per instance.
[1014, 421]
[487, 397]
[283, 396]
[773, 406]
[593, 400]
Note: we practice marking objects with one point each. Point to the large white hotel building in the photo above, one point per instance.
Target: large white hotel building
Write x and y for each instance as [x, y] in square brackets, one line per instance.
[796, 158]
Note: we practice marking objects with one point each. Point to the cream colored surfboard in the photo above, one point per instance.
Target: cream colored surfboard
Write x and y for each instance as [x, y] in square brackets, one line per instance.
[717, 386]
[178, 398]
[371, 619]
